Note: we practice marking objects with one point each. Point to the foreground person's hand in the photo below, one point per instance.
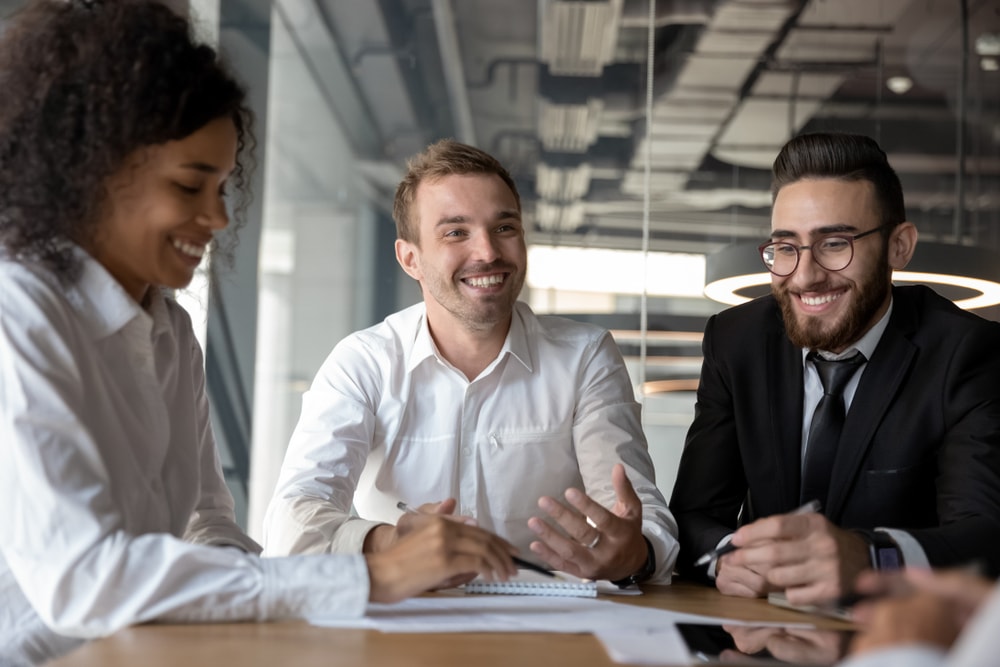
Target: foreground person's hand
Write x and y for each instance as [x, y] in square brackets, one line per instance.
[437, 552]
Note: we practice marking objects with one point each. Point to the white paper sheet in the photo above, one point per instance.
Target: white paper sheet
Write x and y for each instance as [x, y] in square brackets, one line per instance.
[629, 633]
[645, 646]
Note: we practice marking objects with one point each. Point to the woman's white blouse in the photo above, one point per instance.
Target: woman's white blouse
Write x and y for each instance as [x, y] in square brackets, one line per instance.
[114, 509]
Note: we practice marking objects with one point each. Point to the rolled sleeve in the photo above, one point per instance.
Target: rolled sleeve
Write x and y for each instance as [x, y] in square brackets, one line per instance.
[607, 431]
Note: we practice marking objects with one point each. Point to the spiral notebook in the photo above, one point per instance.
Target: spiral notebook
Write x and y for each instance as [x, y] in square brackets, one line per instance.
[532, 583]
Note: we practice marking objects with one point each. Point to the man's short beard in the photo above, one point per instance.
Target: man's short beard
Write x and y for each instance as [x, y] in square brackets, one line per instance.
[814, 334]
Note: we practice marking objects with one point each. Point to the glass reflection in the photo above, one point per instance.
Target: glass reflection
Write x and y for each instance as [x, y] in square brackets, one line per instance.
[770, 645]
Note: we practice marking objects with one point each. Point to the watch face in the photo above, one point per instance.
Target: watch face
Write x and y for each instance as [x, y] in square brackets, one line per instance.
[888, 559]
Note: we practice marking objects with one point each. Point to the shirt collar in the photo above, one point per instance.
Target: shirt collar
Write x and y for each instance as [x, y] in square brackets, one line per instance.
[106, 308]
[517, 338]
[423, 345]
[515, 344]
[866, 344]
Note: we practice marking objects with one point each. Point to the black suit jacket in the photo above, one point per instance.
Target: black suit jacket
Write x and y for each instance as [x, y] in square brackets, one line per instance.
[920, 450]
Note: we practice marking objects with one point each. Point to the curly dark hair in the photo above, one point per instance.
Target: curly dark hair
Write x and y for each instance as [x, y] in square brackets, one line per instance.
[85, 84]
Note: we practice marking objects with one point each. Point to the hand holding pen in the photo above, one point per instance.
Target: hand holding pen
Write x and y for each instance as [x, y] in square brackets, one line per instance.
[802, 553]
[729, 547]
[434, 553]
[517, 561]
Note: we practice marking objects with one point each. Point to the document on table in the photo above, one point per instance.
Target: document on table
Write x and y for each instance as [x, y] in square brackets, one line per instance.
[629, 633]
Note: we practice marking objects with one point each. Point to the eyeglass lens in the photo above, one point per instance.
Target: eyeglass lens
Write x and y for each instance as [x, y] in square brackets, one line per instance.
[833, 253]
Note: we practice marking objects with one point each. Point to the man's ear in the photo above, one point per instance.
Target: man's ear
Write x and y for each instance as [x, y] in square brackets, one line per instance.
[406, 255]
[902, 243]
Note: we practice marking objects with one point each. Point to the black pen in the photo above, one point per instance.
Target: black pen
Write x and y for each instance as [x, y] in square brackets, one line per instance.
[729, 547]
[520, 562]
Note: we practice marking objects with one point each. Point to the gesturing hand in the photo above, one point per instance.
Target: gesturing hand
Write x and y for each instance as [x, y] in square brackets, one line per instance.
[609, 546]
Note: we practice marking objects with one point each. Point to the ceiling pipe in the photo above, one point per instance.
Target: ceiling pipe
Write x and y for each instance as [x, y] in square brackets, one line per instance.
[963, 84]
[454, 72]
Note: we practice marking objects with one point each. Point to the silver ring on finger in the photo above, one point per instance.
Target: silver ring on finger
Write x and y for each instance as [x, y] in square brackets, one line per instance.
[594, 543]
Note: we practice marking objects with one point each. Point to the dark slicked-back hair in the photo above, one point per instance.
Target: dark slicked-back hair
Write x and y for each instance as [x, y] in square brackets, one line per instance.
[848, 157]
[444, 158]
[85, 84]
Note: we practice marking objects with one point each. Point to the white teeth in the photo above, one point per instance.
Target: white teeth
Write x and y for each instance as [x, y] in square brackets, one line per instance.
[189, 249]
[818, 300]
[485, 281]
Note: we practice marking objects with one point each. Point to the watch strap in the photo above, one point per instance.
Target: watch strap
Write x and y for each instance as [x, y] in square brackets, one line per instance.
[883, 552]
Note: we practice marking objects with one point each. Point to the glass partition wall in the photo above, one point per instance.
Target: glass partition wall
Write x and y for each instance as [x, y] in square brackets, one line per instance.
[640, 135]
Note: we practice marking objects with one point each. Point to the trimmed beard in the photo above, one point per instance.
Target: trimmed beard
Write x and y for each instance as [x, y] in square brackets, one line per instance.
[813, 333]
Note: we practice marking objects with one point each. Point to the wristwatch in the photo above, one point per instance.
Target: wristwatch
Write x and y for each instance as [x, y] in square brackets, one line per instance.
[644, 573]
[883, 551]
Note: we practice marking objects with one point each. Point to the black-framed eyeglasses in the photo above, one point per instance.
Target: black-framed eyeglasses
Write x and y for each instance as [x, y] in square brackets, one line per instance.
[834, 253]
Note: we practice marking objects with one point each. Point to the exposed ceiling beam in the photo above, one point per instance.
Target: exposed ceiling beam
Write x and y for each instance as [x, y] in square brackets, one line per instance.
[454, 71]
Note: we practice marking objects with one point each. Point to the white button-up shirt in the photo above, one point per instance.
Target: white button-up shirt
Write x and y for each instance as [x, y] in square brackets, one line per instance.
[388, 419]
[112, 497]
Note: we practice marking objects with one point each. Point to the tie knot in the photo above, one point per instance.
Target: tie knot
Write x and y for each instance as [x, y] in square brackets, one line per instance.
[835, 373]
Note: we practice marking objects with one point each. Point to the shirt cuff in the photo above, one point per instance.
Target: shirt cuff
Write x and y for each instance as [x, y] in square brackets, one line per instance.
[913, 554]
[715, 561]
[350, 536]
[665, 549]
[301, 586]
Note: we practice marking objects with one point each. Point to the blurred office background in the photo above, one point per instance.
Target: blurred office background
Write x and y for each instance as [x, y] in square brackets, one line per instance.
[641, 136]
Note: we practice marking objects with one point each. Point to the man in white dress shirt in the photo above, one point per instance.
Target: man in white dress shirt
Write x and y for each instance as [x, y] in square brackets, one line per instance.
[470, 405]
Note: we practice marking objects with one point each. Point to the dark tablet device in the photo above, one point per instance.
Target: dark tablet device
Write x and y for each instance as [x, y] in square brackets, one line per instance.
[763, 645]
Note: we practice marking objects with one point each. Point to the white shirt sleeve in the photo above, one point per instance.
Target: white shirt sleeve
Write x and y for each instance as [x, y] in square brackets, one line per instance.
[608, 430]
[310, 511]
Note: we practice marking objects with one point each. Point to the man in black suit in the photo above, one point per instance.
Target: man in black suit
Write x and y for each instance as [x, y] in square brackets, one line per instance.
[914, 475]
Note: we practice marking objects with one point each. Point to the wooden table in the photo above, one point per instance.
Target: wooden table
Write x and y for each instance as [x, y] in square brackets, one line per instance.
[298, 644]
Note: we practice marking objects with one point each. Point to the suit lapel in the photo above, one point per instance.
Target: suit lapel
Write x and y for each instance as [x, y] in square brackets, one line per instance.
[878, 387]
[784, 364]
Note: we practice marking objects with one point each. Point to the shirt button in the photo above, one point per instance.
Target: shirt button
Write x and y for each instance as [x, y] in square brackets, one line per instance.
[466, 451]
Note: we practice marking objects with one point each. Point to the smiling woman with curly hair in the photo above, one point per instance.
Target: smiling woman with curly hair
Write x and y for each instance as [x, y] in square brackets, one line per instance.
[119, 135]
[79, 99]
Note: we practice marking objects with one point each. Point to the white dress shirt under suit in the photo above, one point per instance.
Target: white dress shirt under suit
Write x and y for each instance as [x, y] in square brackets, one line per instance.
[113, 501]
[388, 419]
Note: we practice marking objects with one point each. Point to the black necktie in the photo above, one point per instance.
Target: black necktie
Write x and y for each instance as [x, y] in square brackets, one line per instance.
[827, 423]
